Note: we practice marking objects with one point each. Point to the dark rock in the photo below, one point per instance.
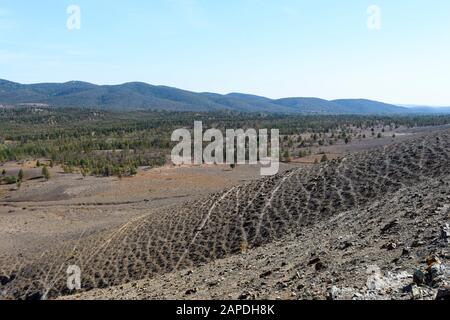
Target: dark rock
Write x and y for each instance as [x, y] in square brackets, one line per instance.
[191, 291]
[313, 261]
[390, 246]
[419, 277]
[443, 293]
[435, 274]
[247, 296]
[407, 289]
[265, 274]
[414, 290]
[406, 251]
[320, 266]
[281, 285]
[445, 232]
[345, 245]
[389, 227]
[417, 243]
[34, 296]
[4, 280]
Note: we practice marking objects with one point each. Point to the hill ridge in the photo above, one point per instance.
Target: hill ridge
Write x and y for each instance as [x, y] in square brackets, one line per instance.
[131, 96]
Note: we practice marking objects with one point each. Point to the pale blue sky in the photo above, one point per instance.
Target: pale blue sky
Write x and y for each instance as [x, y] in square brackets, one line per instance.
[273, 48]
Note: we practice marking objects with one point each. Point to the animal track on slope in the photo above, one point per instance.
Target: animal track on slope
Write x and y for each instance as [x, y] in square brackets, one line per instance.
[246, 216]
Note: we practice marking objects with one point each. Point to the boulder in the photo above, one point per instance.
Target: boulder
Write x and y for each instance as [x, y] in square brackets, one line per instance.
[416, 292]
[333, 293]
[4, 280]
[419, 277]
[435, 274]
[443, 293]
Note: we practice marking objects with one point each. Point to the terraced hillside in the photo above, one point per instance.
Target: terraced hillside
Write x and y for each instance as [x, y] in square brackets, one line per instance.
[241, 219]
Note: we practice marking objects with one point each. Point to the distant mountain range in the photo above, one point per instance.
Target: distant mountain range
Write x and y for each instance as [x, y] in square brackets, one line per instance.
[141, 96]
[427, 109]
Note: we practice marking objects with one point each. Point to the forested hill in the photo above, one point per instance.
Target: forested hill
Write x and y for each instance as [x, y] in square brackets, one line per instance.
[142, 96]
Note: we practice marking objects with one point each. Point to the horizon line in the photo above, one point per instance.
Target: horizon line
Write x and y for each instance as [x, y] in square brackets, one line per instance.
[404, 105]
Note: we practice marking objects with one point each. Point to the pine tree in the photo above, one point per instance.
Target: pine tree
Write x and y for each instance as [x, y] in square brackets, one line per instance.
[46, 173]
[133, 171]
[287, 156]
[84, 172]
[20, 175]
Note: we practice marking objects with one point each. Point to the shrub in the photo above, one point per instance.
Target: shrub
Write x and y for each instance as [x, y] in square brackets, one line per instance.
[20, 175]
[10, 180]
[45, 173]
[287, 156]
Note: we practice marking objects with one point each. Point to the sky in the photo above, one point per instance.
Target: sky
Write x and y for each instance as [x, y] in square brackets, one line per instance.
[392, 51]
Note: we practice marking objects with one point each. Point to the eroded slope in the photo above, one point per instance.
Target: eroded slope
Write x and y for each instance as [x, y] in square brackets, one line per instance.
[239, 219]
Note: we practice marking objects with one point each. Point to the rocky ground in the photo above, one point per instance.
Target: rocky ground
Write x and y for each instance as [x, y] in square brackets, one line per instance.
[68, 207]
[373, 225]
[393, 249]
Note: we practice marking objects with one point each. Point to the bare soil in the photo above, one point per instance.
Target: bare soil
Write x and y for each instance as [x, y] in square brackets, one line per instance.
[317, 228]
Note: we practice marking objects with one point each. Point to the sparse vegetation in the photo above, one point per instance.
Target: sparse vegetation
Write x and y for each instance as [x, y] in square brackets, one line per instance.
[8, 180]
[20, 175]
[377, 195]
[45, 173]
[102, 143]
